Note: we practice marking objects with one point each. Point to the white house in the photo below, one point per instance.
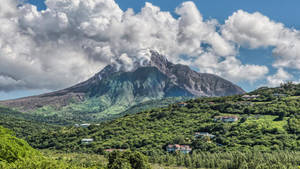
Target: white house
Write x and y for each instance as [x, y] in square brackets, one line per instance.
[279, 95]
[185, 149]
[87, 140]
[248, 97]
[226, 118]
[85, 125]
[204, 134]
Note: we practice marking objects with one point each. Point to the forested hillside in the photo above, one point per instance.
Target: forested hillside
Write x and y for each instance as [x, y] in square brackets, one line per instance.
[16, 153]
[266, 132]
[265, 123]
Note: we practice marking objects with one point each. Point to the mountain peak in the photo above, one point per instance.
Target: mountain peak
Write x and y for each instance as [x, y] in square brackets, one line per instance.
[156, 60]
[159, 61]
[182, 76]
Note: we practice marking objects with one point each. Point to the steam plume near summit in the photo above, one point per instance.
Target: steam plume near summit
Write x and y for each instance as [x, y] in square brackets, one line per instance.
[73, 39]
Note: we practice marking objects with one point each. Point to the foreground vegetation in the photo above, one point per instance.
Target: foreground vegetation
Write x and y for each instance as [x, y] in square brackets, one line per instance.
[233, 160]
[16, 153]
[221, 160]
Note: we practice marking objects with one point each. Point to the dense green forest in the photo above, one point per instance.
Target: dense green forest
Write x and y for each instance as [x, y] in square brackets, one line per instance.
[266, 123]
[266, 134]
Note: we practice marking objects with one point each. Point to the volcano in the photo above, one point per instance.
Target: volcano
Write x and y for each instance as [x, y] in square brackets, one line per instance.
[112, 90]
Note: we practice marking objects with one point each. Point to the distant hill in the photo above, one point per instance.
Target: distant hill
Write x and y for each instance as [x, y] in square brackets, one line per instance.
[113, 91]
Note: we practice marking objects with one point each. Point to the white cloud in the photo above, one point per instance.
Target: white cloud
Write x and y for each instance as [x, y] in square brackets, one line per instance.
[9, 83]
[288, 52]
[194, 32]
[280, 77]
[256, 30]
[251, 30]
[231, 68]
[7, 8]
[73, 39]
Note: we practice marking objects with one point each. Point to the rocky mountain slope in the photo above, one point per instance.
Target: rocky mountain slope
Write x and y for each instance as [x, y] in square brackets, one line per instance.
[113, 90]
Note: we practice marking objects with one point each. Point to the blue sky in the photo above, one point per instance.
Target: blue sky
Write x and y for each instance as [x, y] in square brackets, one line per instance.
[286, 12]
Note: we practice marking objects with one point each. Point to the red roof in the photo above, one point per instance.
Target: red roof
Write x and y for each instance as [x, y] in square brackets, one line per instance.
[179, 146]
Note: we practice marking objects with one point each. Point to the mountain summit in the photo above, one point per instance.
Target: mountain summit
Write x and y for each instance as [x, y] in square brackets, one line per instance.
[168, 78]
[113, 90]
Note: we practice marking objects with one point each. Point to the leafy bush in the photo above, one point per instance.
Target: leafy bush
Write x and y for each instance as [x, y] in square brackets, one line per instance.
[127, 160]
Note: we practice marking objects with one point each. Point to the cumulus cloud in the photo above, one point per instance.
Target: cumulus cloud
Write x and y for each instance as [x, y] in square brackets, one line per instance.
[230, 67]
[256, 30]
[8, 83]
[8, 8]
[73, 39]
[280, 77]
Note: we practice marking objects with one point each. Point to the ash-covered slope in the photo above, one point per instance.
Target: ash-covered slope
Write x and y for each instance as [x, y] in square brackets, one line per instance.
[115, 90]
[169, 76]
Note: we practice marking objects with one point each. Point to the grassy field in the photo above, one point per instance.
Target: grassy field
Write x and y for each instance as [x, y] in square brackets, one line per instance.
[266, 121]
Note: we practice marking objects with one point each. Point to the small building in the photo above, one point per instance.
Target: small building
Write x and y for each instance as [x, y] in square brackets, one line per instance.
[182, 104]
[204, 134]
[249, 97]
[86, 125]
[185, 149]
[87, 140]
[279, 95]
[112, 149]
[226, 118]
